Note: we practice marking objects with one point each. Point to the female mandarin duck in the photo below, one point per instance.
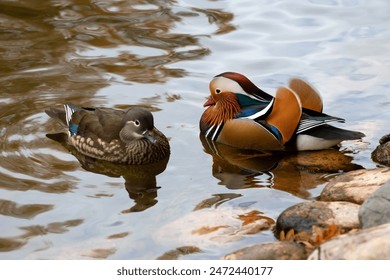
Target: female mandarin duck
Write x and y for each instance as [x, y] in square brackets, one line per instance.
[242, 115]
[113, 135]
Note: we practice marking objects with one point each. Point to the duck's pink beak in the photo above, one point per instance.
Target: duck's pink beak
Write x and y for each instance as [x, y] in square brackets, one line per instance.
[209, 102]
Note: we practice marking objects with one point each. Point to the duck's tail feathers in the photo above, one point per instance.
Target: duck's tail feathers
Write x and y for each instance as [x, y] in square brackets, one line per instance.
[63, 116]
[69, 111]
[332, 132]
[56, 114]
[315, 119]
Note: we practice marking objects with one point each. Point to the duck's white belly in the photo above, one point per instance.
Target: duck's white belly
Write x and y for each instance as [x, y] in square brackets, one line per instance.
[306, 142]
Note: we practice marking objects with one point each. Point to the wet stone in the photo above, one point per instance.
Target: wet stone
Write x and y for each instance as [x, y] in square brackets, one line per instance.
[381, 154]
[270, 251]
[181, 251]
[355, 186]
[208, 227]
[302, 216]
[367, 244]
[376, 209]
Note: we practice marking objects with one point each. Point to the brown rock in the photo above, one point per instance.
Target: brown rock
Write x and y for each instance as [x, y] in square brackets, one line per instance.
[270, 251]
[302, 216]
[181, 251]
[367, 244]
[381, 154]
[213, 227]
[355, 186]
[329, 160]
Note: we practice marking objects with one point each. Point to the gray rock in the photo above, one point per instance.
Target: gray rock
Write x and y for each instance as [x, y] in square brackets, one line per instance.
[270, 251]
[302, 216]
[367, 244]
[376, 209]
[355, 186]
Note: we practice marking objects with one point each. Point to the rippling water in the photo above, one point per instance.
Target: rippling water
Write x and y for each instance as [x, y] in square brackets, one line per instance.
[161, 55]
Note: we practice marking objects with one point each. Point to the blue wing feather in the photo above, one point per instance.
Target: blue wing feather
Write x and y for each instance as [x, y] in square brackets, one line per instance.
[73, 129]
[69, 111]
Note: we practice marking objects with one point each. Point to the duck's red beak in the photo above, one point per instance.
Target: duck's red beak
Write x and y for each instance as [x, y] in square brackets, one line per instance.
[209, 102]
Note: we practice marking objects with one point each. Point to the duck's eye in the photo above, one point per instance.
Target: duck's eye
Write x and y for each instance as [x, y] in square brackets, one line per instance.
[217, 91]
[136, 122]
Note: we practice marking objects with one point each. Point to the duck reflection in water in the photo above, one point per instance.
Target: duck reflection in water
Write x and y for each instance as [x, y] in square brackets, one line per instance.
[140, 180]
[295, 172]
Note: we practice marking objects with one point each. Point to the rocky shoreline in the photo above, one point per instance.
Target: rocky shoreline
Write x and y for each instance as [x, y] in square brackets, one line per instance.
[349, 220]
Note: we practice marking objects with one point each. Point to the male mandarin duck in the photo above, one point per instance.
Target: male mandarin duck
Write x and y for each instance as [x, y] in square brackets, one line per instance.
[242, 115]
[113, 135]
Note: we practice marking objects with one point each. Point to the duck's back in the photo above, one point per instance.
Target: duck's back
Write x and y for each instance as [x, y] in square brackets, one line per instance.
[99, 123]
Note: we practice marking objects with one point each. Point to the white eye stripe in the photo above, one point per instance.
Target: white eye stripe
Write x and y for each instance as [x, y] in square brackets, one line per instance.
[136, 122]
[227, 85]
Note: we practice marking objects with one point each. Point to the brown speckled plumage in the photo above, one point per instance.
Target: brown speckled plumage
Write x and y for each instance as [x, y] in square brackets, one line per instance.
[114, 135]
